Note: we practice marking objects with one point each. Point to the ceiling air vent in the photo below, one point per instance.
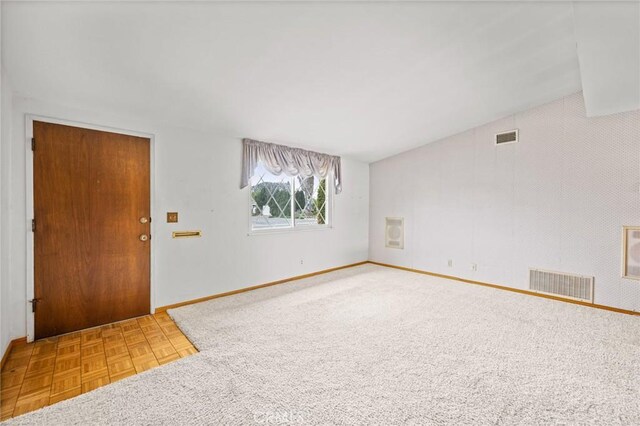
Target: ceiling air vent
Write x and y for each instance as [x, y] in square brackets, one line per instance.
[394, 232]
[507, 137]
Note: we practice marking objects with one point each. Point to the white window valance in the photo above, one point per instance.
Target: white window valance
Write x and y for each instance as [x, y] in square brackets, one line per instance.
[279, 159]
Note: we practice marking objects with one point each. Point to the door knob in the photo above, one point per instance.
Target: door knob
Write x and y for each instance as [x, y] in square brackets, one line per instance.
[144, 237]
[144, 220]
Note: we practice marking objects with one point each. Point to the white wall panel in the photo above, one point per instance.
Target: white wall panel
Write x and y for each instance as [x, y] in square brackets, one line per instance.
[555, 200]
[6, 97]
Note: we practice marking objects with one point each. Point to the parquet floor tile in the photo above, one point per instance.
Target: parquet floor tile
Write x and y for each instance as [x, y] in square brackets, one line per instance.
[57, 368]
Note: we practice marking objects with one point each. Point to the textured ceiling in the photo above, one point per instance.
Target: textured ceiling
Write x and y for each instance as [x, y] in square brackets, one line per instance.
[365, 80]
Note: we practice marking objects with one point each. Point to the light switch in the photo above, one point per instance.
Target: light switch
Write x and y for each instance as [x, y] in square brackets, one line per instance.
[172, 217]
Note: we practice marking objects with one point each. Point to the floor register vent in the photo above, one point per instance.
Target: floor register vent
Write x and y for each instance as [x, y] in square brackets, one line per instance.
[570, 286]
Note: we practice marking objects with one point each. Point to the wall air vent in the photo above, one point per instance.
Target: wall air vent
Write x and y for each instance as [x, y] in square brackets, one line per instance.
[569, 286]
[507, 137]
[394, 232]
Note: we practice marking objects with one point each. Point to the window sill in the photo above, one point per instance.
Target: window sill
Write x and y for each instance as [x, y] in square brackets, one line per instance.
[273, 231]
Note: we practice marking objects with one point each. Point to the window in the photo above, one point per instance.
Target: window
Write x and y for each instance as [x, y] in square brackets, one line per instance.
[283, 202]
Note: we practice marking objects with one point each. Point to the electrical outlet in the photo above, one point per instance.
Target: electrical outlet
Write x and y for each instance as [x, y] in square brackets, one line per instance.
[474, 266]
[301, 261]
[450, 263]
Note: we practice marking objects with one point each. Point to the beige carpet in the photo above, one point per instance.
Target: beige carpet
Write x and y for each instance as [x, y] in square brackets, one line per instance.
[372, 345]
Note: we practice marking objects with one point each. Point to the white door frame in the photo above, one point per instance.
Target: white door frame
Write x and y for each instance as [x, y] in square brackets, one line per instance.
[30, 118]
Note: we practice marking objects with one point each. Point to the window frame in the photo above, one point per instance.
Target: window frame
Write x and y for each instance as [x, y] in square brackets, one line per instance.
[293, 228]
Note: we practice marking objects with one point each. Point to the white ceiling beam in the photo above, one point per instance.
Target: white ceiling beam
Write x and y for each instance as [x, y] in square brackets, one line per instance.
[608, 41]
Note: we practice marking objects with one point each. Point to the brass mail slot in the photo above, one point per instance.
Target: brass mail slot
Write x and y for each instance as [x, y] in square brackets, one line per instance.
[186, 234]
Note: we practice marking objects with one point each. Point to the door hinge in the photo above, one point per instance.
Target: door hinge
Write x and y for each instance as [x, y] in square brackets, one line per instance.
[34, 303]
[33, 225]
[33, 144]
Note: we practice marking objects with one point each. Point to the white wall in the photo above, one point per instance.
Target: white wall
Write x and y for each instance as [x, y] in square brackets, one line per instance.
[556, 200]
[5, 224]
[197, 174]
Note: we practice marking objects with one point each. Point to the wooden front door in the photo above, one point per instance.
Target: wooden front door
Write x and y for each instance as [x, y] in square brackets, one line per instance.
[92, 247]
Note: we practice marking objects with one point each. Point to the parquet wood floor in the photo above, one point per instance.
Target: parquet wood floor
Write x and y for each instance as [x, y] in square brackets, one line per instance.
[54, 369]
